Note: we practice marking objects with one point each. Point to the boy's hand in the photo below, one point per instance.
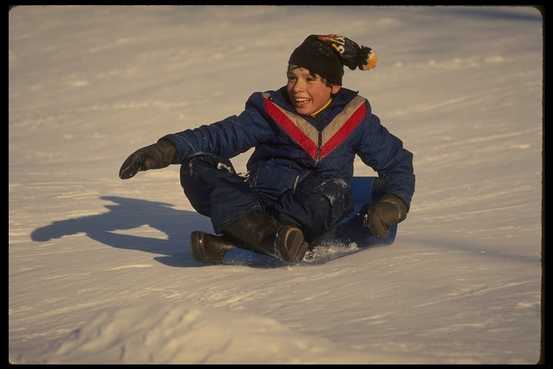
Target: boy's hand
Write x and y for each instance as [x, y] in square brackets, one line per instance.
[156, 156]
[389, 210]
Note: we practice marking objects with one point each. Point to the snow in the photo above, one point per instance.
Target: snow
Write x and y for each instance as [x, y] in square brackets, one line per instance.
[100, 269]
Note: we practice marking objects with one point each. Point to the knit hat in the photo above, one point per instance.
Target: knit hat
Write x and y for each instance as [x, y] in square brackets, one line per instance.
[326, 55]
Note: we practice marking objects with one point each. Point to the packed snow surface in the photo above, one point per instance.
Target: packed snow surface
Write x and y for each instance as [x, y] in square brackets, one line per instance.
[100, 269]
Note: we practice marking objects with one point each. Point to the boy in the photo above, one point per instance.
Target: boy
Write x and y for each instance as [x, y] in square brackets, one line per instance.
[306, 135]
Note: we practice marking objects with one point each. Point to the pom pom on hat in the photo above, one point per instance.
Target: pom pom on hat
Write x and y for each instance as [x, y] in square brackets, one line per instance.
[351, 54]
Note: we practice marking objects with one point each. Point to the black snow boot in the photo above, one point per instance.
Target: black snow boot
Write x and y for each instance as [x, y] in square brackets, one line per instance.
[260, 232]
[208, 248]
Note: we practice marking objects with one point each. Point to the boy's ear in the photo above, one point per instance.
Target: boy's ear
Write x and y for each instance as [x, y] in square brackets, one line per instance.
[335, 89]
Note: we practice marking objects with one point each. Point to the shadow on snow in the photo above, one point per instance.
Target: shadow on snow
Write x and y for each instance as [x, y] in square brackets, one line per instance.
[129, 213]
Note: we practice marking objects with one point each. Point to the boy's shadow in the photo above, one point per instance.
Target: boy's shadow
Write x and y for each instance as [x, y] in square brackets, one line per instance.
[131, 213]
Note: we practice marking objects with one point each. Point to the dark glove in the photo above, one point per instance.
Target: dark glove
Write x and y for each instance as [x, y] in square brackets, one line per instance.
[156, 156]
[389, 210]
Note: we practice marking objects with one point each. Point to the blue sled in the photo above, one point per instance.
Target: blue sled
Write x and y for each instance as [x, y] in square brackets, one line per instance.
[349, 230]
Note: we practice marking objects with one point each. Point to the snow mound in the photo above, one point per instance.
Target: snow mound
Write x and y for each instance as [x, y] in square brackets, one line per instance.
[177, 334]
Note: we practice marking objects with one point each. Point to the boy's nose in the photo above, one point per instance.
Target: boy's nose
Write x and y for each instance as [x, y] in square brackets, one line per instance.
[299, 86]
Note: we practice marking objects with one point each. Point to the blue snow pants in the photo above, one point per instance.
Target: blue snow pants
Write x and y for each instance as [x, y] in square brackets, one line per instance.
[316, 205]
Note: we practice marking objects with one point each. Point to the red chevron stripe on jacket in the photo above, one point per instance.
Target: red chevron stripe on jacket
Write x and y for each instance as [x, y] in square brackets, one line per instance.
[318, 144]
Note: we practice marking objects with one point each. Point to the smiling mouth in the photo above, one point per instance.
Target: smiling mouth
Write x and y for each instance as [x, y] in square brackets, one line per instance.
[301, 101]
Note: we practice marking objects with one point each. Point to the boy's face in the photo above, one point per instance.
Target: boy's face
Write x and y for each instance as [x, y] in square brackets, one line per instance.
[307, 92]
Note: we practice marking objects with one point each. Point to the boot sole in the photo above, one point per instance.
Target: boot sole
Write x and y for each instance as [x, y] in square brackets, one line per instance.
[291, 244]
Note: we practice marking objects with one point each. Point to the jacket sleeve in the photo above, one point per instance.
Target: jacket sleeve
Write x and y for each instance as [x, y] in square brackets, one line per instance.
[228, 137]
[385, 153]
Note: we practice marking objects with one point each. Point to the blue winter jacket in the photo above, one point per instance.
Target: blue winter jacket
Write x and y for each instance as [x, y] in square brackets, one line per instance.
[289, 146]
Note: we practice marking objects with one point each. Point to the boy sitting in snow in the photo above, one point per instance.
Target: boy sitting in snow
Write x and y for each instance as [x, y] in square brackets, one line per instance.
[306, 135]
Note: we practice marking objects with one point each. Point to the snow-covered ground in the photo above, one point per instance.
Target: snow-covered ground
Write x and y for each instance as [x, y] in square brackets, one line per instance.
[100, 270]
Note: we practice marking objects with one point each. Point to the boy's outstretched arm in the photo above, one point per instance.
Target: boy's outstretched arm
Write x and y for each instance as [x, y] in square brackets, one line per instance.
[226, 138]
